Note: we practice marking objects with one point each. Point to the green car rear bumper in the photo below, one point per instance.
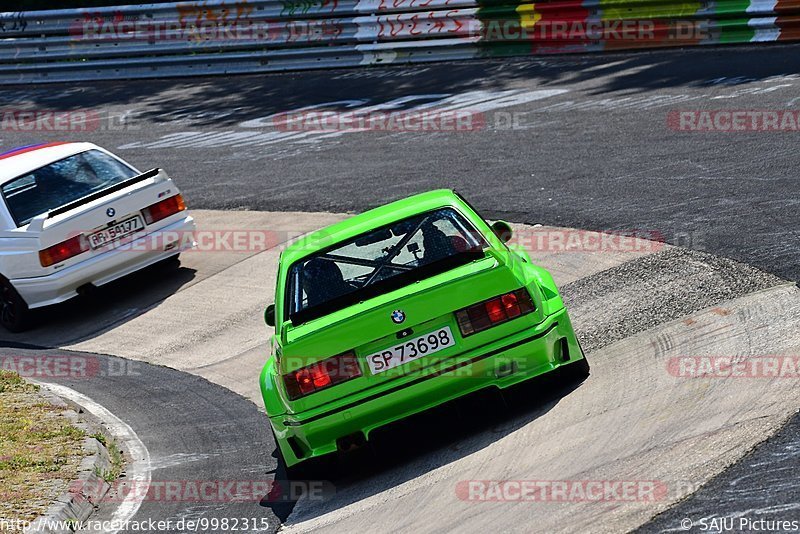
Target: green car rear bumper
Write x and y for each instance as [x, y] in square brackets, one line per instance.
[501, 363]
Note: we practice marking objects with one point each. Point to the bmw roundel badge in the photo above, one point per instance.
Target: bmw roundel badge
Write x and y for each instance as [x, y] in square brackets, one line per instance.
[111, 212]
[398, 316]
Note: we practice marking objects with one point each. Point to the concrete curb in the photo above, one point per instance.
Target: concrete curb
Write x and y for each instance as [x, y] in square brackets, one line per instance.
[83, 494]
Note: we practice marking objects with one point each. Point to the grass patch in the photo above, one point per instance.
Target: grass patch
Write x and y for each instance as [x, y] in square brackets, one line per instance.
[40, 450]
[12, 382]
[117, 460]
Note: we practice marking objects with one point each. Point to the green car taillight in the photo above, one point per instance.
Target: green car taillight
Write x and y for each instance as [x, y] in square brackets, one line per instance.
[494, 311]
[321, 375]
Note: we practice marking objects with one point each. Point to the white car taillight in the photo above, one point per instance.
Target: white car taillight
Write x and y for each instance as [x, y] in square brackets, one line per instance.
[64, 250]
[163, 209]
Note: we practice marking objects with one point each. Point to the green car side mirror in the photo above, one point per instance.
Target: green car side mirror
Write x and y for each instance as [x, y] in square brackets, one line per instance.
[269, 315]
[502, 230]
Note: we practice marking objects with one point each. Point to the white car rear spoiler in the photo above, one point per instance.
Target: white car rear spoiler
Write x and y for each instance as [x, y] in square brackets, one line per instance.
[37, 223]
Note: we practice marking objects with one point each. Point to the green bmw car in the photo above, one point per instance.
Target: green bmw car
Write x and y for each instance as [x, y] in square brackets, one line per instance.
[400, 309]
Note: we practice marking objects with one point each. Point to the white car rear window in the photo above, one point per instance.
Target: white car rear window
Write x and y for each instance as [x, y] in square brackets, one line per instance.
[62, 182]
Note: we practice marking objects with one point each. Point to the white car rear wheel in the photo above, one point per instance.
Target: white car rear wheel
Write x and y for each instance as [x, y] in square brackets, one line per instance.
[14, 313]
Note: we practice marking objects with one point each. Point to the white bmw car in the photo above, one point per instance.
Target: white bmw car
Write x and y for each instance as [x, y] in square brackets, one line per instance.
[74, 216]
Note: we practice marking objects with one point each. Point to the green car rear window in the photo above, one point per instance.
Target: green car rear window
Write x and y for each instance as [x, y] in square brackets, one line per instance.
[381, 260]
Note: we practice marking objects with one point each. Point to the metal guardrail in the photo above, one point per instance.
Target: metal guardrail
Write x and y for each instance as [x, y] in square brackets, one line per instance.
[217, 37]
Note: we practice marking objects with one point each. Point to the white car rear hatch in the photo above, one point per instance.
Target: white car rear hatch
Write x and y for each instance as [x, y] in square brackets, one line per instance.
[80, 201]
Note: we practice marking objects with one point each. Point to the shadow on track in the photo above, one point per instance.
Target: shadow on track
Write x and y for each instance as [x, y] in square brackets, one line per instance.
[439, 436]
[92, 314]
[259, 95]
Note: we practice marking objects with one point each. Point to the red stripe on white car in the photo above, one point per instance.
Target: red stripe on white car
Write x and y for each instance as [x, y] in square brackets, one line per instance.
[25, 150]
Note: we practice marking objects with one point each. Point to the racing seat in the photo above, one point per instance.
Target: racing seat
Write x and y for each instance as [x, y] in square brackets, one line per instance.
[323, 281]
[459, 244]
[436, 244]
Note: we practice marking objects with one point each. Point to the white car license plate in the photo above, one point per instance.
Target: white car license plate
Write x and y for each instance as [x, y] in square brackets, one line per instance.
[115, 232]
[411, 349]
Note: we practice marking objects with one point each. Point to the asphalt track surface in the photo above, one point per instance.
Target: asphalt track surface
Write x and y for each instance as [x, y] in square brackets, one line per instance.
[764, 480]
[611, 296]
[592, 149]
[597, 155]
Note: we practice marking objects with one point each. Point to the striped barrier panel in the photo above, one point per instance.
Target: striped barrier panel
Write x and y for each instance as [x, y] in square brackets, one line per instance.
[215, 37]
